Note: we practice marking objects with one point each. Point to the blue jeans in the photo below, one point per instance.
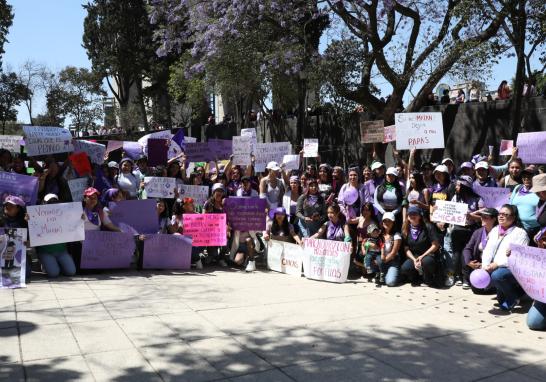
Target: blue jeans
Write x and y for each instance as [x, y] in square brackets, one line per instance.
[508, 289]
[390, 269]
[55, 263]
[536, 318]
[308, 229]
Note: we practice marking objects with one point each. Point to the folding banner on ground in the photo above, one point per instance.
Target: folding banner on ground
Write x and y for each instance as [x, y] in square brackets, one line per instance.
[528, 265]
[12, 257]
[107, 250]
[135, 215]
[284, 257]
[55, 223]
[24, 186]
[326, 260]
[167, 252]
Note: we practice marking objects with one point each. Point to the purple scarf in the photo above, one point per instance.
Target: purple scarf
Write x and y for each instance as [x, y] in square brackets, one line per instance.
[523, 191]
[333, 230]
[438, 187]
[312, 199]
[415, 232]
[483, 239]
[93, 217]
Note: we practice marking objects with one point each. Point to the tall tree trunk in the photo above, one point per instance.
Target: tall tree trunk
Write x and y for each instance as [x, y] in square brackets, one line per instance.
[519, 23]
[141, 103]
[302, 92]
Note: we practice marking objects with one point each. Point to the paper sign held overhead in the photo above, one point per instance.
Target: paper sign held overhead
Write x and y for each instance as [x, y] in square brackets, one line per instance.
[372, 131]
[310, 148]
[419, 131]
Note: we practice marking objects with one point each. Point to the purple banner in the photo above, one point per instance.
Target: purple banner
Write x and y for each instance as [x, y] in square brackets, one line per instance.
[246, 214]
[24, 186]
[530, 147]
[107, 250]
[198, 152]
[157, 152]
[222, 148]
[132, 150]
[493, 197]
[167, 252]
[140, 215]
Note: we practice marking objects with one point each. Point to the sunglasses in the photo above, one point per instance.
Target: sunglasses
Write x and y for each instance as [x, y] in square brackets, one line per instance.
[504, 215]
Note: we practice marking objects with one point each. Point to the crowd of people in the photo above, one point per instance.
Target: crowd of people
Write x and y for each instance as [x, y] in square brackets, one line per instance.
[385, 213]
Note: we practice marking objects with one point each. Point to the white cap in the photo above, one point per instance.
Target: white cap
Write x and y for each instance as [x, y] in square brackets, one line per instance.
[113, 164]
[483, 165]
[48, 197]
[447, 160]
[376, 165]
[273, 166]
[442, 168]
[389, 216]
[392, 171]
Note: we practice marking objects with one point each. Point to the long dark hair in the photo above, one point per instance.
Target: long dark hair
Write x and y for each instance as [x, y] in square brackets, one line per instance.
[284, 228]
[503, 82]
[515, 213]
[398, 190]
[369, 206]
[406, 226]
[419, 181]
[165, 213]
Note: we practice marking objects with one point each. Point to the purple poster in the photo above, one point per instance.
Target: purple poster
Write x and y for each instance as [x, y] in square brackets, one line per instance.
[167, 252]
[107, 250]
[198, 152]
[140, 215]
[530, 147]
[157, 151]
[246, 214]
[132, 150]
[23, 186]
[223, 148]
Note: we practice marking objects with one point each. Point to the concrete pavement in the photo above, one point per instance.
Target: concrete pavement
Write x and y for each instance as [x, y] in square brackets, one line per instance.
[220, 324]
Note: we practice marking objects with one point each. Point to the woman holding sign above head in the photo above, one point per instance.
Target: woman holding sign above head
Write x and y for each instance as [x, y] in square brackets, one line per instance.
[495, 256]
[311, 210]
[53, 182]
[421, 244]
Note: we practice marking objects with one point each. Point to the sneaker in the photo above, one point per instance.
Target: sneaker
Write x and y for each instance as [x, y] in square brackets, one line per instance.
[508, 307]
[369, 270]
[251, 266]
[459, 281]
[382, 278]
[222, 263]
[466, 285]
[199, 264]
[450, 280]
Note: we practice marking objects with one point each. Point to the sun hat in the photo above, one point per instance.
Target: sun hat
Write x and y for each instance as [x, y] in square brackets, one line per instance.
[388, 216]
[90, 191]
[467, 165]
[392, 171]
[48, 197]
[447, 160]
[483, 165]
[273, 166]
[489, 212]
[126, 160]
[376, 165]
[441, 168]
[15, 200]
[415, 210]
[113, 164]
[277, 211]
[218, 186]
[539, 183]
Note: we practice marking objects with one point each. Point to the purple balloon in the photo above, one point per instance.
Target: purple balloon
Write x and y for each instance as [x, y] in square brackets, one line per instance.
[350, 195]
[480, 278]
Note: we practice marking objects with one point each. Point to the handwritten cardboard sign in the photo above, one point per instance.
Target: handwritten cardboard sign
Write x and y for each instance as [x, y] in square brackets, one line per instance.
[450, 212]
[326, 260]
[419, 131]
[107, 250]
[140, 215]
[310, 147]
[46, 140]
[246, 214]
[55, 223]
[284, 257]
[531, 147]
[11, 143]
[242, 147]
[389, 134]
[94, 150]
[493, 197]
[292, 162]
[158, 187]
[199, 194]
[80, 163]
[271, 152]
[528, 265]
[206, 229]
[24, 186]
[506, 147]
[13, 258]
[77, 187]
[372, 131]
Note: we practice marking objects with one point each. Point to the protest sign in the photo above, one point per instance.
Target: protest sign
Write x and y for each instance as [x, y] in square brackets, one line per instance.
[95, 151]
[292, 162]
[46, 140]
[250, 132]
[326, 260]
[419, 131]
[284, 257]
[107, 250]
[198, 152]
[389, 134]
[531, 147]
[80, 163]
[528, 265]
[158, 187]
[268, 152]
[158, 150]
[13, 258]
[112, 146]
[77, 187]
[372, 131]
[132, 150]
[506, 147]
[11, 143]
[205, 229]
[156, 135]
[199, 194]
[493, 197]
[55, 223]
[140, 215]
[450, 212]
[167, 252]
[24, 186]
[221, 148]
[241, 151]
[190, 140]
[310, 148]
[246, 214]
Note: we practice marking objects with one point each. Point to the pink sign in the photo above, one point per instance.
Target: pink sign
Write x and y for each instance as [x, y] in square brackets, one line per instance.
[506, 147]
[528, 265]
[206, 229]
[389, 134]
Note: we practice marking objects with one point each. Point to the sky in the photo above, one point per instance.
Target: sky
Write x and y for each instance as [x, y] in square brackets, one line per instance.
[50, 32]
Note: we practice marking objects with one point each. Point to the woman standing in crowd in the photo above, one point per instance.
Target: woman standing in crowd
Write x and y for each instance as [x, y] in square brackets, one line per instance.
[389, 261]
[311, 210]
[495, 256]
[418, 194]
[94, 216]
[483, 178]
[126, 180]
[325, 182]
[290, 199]
[272, 187]
[513, 178]
[389, 195]
[350, 198]
[421, 243]
[428, 176]
[246, 190]
[503, 92]
[378, 170]
[526, 202]
[366, 174]
[279, 228]
[338, 179]
[472, 252]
